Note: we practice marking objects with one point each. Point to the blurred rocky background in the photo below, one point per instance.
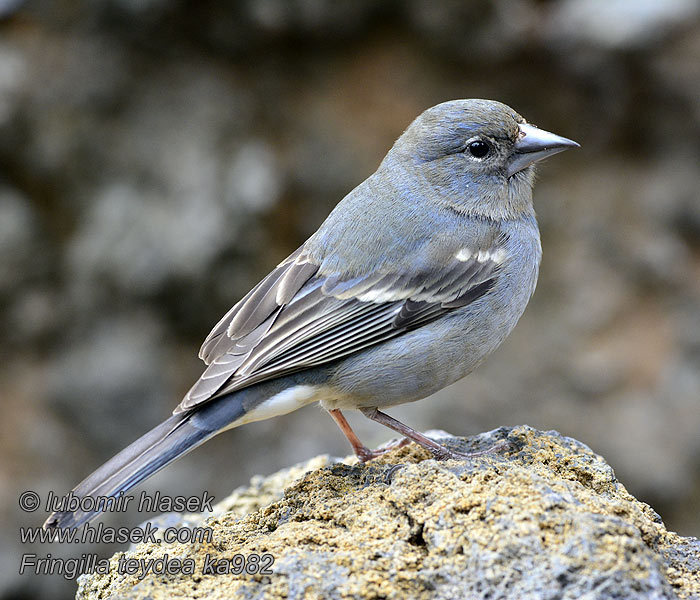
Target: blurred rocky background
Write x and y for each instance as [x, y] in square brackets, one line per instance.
[158, 157]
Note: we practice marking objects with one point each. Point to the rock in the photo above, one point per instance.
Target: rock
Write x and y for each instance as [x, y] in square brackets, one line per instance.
[621, 24]
[17, 228]
[115, 362]
[547, 519]
[12, 69]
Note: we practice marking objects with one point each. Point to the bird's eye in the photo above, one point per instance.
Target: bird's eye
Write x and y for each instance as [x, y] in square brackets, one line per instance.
[478, 149]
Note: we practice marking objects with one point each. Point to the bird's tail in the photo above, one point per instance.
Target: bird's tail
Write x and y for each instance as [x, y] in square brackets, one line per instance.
[159, 447]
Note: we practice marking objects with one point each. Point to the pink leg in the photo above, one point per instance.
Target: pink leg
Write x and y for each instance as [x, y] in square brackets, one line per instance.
[362, 452]
[438, 451]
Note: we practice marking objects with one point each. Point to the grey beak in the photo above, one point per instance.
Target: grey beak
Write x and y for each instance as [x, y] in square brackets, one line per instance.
[535, 144]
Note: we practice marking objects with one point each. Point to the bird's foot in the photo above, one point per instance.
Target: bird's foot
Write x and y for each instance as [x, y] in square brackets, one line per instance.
[364, 453]
[438, 451]
[443, 453]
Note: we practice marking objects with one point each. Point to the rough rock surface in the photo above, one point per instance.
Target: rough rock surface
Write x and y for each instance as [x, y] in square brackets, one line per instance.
[546, 519]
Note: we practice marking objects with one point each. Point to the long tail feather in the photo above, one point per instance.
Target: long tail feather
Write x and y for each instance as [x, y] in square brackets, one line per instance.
[147, 455]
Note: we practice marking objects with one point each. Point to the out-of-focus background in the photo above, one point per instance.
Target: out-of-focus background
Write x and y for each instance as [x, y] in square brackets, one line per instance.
[158, 157]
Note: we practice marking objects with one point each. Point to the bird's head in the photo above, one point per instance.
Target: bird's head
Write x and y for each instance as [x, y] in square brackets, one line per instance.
[477, 156]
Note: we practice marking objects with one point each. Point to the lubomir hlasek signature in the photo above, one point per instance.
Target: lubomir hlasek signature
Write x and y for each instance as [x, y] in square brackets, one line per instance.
[120, 502]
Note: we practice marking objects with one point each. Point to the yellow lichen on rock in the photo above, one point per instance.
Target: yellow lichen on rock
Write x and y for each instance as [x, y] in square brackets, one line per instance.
[546, 518]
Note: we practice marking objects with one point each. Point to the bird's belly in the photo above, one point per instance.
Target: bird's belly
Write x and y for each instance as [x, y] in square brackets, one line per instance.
[422, 362]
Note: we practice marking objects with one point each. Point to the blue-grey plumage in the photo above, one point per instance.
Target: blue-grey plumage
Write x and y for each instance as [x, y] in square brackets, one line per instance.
[414, 278]
[423, 361]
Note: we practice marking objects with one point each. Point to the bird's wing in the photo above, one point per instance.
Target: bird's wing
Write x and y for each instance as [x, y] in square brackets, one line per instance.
[297, 318]
[239, 329]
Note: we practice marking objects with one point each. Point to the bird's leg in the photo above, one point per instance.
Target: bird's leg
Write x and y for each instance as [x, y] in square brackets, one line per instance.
[438, 451]
[362, 452]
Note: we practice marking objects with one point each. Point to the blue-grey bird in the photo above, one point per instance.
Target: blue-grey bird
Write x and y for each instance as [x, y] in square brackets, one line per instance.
[415, 277]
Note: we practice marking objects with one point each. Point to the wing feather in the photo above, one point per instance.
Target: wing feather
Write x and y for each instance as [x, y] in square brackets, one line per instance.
[296, 318]
[278, 288]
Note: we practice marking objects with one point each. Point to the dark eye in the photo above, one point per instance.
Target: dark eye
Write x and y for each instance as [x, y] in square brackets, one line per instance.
[478, 149]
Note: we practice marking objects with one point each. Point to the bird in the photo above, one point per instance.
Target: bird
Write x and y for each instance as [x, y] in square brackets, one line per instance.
[413, 279]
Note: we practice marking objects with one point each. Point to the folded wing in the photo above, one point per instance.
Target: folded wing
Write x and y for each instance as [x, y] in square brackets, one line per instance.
[296, 318]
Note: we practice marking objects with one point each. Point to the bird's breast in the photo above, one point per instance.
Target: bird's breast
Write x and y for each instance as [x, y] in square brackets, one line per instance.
[420, 362]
